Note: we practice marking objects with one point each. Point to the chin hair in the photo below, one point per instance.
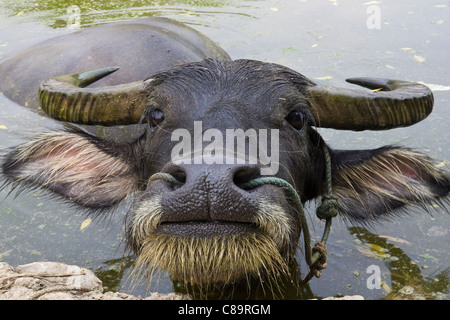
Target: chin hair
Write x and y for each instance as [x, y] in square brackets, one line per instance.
[222, 259]
[219, 260]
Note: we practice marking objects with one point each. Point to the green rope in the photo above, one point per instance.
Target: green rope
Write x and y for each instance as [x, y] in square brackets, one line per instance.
[326, 210]
[297, 201]
[165, 176]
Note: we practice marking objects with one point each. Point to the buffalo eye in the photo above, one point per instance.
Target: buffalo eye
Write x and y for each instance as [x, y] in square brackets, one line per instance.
[155, 117]
[296, 119]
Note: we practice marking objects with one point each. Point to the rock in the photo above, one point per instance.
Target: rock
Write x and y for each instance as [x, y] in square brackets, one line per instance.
[169, 296]
[355, 297]
[79, 278]
[59, 281]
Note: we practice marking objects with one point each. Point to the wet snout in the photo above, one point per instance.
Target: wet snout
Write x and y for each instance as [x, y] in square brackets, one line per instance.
[208, 223]
[210, 200]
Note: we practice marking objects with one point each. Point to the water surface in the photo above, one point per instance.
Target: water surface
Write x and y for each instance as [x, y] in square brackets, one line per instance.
[325, 40]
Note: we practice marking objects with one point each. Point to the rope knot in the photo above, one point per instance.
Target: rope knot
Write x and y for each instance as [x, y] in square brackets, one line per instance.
[329, 207]
[318, 265]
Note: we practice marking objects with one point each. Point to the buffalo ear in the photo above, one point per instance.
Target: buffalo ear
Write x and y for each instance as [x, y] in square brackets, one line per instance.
[370, 184]
[79, 167]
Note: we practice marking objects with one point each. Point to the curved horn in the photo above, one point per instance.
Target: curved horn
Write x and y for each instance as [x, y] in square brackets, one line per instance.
[65, 98]
[395, 104]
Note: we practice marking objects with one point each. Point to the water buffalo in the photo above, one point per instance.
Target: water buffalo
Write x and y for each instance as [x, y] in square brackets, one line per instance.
[203, 227]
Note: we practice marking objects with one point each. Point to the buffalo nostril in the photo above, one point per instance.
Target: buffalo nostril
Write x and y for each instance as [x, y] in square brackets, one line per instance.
[245, 174]
[176, 186]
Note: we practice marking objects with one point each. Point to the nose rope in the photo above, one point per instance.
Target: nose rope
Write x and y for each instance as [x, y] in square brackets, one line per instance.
[325, 211]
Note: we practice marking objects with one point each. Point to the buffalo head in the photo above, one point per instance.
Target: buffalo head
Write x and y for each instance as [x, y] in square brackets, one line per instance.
[207, 228]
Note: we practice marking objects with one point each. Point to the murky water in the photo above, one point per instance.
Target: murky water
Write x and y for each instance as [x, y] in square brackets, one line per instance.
[326, 40]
